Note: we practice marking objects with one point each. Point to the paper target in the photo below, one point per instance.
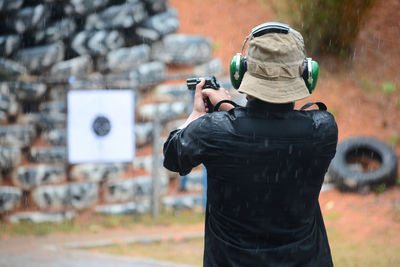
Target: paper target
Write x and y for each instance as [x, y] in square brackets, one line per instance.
[100, 126]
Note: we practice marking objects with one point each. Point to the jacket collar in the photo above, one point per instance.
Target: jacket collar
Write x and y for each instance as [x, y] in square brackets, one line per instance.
[256, 106]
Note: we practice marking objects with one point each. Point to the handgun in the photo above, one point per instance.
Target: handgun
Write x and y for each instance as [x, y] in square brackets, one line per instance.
[210, 82]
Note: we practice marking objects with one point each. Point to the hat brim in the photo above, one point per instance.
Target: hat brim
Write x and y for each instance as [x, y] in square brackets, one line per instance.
[274, 91]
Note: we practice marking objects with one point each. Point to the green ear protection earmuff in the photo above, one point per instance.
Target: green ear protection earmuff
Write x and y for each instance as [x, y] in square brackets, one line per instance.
[238, 64]
[310, 73]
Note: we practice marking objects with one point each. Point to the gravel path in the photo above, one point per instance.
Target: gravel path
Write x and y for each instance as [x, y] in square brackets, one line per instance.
[63, 250]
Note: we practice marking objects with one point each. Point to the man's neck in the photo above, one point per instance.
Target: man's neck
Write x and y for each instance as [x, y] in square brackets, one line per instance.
[259, 104]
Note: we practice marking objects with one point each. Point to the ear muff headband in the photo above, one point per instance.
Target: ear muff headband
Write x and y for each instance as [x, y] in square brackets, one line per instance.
[238, 64]
[269, 27]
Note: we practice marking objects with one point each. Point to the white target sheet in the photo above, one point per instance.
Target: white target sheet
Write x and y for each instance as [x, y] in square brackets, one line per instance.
[100, 126]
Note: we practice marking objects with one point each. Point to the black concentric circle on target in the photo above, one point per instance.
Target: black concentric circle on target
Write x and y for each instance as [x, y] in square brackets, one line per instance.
[101, 126]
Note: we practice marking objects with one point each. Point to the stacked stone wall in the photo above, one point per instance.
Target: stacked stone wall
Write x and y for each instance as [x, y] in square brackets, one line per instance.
[49, 47]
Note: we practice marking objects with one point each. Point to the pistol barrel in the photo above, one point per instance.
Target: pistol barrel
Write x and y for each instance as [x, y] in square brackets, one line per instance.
[211, 82]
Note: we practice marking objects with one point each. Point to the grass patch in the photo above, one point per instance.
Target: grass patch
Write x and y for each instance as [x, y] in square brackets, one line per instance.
[396, 210]
[182, 251]
[380, 188]
[96, 223]
[332, 216]
[39, 229]
[394, 140]
[320, 20]
[367, 85]
[216, 45]
[349, 248]
[377, 249]
[333, 111]
[388, 88]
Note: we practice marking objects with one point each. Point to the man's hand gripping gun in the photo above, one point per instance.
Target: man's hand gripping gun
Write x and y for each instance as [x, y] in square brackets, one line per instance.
[210, 82]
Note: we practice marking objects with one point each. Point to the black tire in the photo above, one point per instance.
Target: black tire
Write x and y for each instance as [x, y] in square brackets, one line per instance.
[347, 178]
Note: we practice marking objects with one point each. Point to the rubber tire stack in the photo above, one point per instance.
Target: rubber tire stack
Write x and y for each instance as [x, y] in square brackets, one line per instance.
[347, 178]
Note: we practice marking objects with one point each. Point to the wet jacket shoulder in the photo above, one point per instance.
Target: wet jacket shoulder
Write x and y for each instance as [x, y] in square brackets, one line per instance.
[198, 142]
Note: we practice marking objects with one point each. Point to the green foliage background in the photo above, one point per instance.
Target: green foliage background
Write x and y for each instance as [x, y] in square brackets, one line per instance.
[328, 26]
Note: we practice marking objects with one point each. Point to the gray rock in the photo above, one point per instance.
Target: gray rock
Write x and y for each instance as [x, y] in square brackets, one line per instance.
[125, 59]
[44, 121]
[56, 137]
[17, 135]
[194, 181]
[10, 68]
[3, 116]
[42, 217]
[29, 91]
[40, 58]
[8, 105]
[83, 195]
[125, 208]
[148, 75]
[226, 83]
[145, 76]
[72, 195]
[83, 7]
[57, 31]
[78, 67]
[143, 133]
[157, 26]
[132, 189]
[48, 154]
[97, 172]
[58, 93]
[92, 81]
[30, 18]
[29, 177]
[183, 49]
[52, 196]
[10, 5]
[183, 202]
[4, 103]
[10, 157]
[23, 91]
[143, 163]
[118, 16]
[166, 111]
[173, 125]
[9, 44]
[53, 107]
[10, 197]
[8, 100]
[146, 163]
[97, 42]
[174, 92]
[212, 67]
[155, 6]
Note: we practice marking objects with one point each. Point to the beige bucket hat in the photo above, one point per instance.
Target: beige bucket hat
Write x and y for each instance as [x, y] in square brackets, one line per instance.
[274, 67]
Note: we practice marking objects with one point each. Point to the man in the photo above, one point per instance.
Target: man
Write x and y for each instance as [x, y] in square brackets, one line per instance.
[265, 162]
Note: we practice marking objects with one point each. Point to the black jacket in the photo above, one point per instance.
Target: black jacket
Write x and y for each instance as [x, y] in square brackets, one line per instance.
[265, 167]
